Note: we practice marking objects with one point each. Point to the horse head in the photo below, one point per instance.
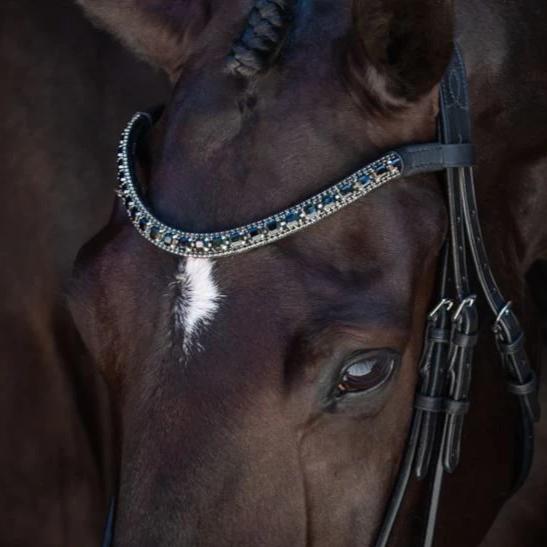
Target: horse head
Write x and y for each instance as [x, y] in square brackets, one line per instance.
[265, 398]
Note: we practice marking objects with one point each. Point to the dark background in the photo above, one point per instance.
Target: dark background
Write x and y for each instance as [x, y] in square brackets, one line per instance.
[66, 91]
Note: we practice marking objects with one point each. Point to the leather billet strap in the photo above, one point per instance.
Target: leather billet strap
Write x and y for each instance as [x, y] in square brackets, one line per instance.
[456, 128]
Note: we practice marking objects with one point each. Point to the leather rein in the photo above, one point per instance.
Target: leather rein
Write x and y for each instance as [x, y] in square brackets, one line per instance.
[442, 400]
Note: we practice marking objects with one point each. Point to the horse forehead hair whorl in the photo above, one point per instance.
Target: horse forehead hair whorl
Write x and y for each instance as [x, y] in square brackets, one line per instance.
[265, 30]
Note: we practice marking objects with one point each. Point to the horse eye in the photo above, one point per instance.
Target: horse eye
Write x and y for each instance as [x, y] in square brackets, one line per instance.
[367, 371]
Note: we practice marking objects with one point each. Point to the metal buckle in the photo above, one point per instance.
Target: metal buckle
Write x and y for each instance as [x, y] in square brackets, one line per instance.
[499, 317]
[444, 303]
[503, 311]
[465, 303]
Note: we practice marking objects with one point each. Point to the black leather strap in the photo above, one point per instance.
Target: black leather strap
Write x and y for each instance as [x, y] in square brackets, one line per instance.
[423, 158]
[445, 367]
[433, 367]
[512, 348]
[456, 408]
[428, 403]
[440, 404]
[527, 388]
[440, 335]
[455, 128]
[507, 328]
[462, 340]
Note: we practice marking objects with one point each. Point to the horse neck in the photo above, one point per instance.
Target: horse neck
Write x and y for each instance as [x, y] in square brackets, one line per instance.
[508, 88]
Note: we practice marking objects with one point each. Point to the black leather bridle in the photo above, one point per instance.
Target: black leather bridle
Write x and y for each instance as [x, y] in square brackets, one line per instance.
[442, 399]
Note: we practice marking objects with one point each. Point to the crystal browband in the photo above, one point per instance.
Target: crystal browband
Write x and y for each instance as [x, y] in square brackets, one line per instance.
[405, 161]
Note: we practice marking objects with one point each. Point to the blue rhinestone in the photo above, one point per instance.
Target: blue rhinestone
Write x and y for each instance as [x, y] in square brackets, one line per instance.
[133, 213]
[217, 242]
[154, 232]
[168, 239]
[381, 170]
[365, 179]
[254, 232]
[235, 237]
[310, 209]
[327, 200]
[397, 163]
[291, 217]
[272, 225]
[143, 223]
[183, 242]
[346, 188]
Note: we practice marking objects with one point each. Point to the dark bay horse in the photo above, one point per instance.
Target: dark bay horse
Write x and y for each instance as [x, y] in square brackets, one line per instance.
[61, 108]
[220, 370]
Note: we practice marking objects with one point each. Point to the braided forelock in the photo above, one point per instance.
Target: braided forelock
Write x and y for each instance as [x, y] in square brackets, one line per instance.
[260, 41]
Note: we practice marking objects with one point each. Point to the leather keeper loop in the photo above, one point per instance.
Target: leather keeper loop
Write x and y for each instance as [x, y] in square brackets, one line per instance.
[456, 408]
[521, 390]
[464, 340]
[428, 403]
[441, 336]
[513, 347]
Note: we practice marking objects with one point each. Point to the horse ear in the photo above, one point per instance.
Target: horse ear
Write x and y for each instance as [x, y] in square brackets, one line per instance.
[398, 50]
[158, 31]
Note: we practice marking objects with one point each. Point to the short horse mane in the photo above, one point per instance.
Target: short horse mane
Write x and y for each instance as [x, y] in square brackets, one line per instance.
[260, 41]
